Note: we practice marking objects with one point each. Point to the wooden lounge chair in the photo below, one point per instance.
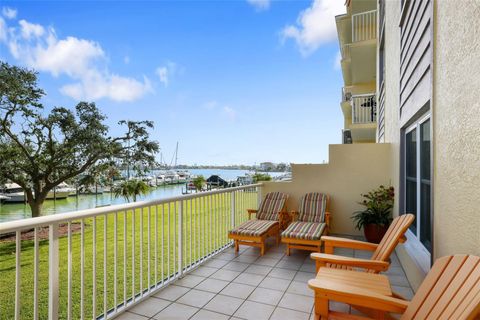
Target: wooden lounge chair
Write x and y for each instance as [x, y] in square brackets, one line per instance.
[310, 222]
[255, 232]
[381, 252]
[451, 290]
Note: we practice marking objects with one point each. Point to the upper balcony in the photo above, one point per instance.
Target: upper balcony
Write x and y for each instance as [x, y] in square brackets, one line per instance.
[357, 34]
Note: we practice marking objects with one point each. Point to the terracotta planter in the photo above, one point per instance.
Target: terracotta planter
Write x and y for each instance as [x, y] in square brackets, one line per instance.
[374, 232]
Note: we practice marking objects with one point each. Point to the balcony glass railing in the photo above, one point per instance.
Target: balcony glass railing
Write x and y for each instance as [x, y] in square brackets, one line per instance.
[97, 263]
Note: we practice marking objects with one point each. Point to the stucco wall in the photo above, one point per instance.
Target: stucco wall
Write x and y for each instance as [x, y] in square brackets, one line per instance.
[456, 125]
[351, 171]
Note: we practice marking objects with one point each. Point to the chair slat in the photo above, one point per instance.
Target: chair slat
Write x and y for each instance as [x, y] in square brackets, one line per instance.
[465, 278]
[426, 286]
[440, 286]
[469, 305]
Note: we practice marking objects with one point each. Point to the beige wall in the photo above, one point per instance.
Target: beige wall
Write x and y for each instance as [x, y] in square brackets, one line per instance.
[456, 125]
[351, 171]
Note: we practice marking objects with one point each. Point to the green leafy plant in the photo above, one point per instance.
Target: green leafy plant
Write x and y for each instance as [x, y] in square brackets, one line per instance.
[130, 189]
[378, 208]
[199, 182]
[257, 177]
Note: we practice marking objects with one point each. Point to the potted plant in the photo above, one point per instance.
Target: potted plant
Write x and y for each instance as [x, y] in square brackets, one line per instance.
[377, 215]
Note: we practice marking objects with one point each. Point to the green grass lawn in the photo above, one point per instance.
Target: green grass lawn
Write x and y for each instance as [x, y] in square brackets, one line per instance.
[205, 228]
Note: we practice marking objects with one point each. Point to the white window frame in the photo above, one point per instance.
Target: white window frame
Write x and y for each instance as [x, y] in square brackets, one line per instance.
[414, 246]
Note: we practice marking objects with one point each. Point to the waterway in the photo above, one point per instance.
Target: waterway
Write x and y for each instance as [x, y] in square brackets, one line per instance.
[15, 211]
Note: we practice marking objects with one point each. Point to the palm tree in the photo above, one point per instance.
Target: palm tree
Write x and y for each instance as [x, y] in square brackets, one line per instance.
[130, 189]
[198, 182]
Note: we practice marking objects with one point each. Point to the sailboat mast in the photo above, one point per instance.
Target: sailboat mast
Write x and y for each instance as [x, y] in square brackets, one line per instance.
[176, 155]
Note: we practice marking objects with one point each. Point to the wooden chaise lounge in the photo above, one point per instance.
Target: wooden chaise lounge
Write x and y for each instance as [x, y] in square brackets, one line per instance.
[310, 222]
[380, 260]
[254, 232]
[451, 290]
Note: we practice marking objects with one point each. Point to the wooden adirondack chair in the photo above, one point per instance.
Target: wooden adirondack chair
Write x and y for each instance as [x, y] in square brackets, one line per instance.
[381, 252]
[451, 290]
[255, 232]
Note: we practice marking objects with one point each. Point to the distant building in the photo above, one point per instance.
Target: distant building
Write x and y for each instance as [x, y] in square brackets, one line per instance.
[267, 166]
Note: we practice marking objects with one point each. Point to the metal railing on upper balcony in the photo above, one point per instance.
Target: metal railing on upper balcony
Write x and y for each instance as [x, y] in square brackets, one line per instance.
[97, 263]
[364, 108]
[364, 26]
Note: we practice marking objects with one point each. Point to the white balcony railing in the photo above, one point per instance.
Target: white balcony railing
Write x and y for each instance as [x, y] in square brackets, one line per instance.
[345, 50]
[364, 108]
[96, 263]
[364, 26]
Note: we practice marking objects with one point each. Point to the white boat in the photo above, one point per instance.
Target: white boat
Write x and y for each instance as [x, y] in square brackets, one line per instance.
[14, 193]
[171, 177]
[3, 198]
[183, 176]
[97, 189]
[160, 179]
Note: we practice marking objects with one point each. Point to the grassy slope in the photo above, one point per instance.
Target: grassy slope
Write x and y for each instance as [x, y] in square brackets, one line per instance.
[205, 227]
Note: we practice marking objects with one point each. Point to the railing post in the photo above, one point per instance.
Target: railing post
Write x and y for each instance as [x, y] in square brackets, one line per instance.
[232, 208]
[53, 265]
[259, 195]
[180, 238]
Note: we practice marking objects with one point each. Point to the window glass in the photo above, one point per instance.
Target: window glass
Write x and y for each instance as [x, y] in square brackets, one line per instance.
[425, 186]
[411, 176]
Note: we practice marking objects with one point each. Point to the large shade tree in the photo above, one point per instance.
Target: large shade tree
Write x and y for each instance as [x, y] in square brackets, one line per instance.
[39, 149]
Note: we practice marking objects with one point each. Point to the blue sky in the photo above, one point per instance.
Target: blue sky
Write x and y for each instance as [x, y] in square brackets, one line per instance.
[234, 82]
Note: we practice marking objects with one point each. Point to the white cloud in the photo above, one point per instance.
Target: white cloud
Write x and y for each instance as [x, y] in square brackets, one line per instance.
[3, 30]
[229, 112]
[9, 13]
[260, 5]
[315, 25]
[31, 30]
[162, 73]
[337, 64]
[166, 72]
[83, 61]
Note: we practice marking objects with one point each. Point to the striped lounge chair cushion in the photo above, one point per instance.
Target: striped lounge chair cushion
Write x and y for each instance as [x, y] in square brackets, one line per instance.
[304, 230]
[312, 207]
[271, 206]
[253, 228]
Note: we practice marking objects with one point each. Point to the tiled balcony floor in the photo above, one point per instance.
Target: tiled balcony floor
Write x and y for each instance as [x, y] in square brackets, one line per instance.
[248, 286]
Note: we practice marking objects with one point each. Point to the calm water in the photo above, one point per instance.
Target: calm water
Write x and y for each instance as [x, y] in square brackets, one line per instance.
[16, 211]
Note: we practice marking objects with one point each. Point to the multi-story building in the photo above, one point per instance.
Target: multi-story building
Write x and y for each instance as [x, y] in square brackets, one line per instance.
[357, 36]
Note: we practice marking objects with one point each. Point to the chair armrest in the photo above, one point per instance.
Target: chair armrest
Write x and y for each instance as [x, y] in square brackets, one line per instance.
[322, 259]
[250, 212]
[336, 242]
[341, 292]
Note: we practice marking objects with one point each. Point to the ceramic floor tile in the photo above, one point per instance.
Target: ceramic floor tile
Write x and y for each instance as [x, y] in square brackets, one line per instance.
[300, 287]
[149, 307]
[212, 285]
[176, 311]
[282, 273]
[263, 261]
[196, 298]
[204, 271]
[296, 302]
[189, 281]
[267, 296]
[172, 292]
[275, 283]
[208, 315]
[282, 313]
[236, 266]
[224, 274]
[261, 270]
[237, 290]
[131, 316]
[249, 278]
[254, 311]
[224, 304]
